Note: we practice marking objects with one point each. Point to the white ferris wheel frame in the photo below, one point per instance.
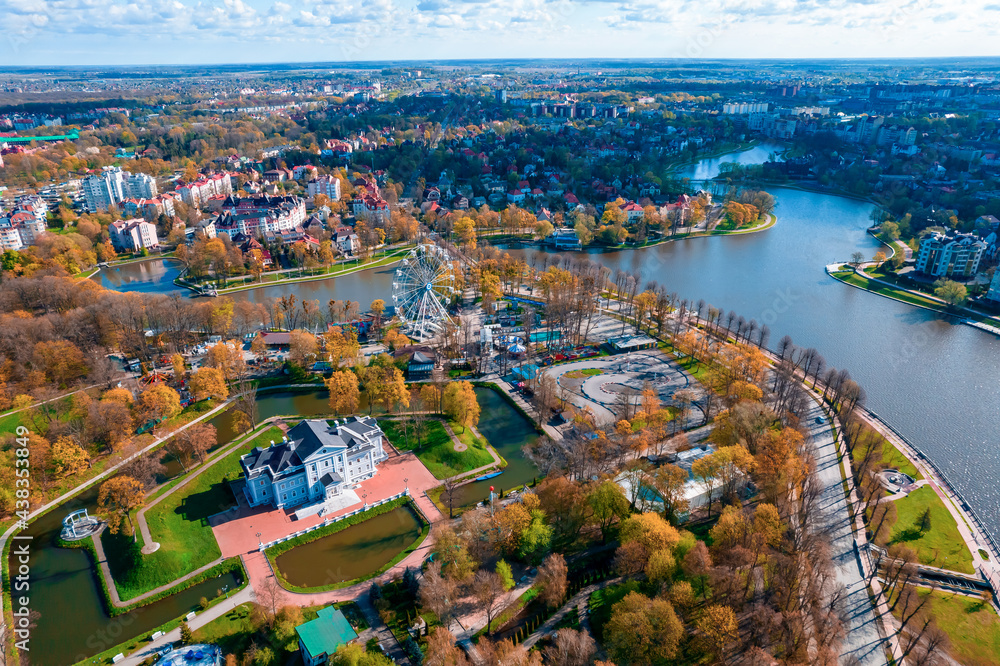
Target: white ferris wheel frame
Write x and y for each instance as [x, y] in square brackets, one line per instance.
[421, 288]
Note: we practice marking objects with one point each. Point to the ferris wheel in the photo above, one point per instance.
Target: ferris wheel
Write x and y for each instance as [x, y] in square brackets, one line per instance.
[422, 288]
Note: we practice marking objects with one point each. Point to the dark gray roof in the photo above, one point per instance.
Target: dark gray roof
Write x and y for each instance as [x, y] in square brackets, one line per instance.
[305, 439]
[330, 479]
[279, 458]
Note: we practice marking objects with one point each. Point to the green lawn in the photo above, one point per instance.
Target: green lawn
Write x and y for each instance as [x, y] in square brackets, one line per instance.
[10, 422]
[972, 626]
[179, 523]
[941, 546]
[437, 451]
[892, 457]
[586, 372]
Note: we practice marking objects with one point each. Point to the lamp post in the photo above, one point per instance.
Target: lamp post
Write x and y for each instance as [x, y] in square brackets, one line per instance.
[260, 544]
[406, 483]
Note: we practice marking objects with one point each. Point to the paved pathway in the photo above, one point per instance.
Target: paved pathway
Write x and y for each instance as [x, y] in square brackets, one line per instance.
[575, 603]
[200, 620]
[862, 639]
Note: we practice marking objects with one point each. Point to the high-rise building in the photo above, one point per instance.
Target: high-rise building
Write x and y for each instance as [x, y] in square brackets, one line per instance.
[112, 186]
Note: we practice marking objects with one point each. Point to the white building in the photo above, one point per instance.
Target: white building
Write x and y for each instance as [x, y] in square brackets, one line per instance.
[133, 235]
[112, 186]
[326, 185]
[200, 191]
[314, 463]
[950, 255]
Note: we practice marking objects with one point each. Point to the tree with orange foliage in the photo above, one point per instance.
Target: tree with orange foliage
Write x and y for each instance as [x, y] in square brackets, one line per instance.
[117, 499]
[209, 383]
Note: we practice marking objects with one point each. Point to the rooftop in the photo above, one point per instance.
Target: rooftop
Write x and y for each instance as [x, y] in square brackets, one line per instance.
[326, 633]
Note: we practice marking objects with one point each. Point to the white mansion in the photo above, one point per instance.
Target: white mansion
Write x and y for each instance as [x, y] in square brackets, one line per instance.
[315, 462]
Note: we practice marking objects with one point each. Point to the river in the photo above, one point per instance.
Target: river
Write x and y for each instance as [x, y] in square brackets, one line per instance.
[932, 377]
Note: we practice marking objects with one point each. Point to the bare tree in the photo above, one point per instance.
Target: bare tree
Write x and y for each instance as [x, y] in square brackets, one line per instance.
[570, 648]
[489, 592]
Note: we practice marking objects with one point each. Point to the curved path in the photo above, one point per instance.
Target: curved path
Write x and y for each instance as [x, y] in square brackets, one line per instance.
[633, 371]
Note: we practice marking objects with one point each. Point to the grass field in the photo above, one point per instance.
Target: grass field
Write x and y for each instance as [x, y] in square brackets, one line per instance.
[586, 372]
[179, 524]
[972, 626]
[437, 451]
[941, 546]
[892, 457]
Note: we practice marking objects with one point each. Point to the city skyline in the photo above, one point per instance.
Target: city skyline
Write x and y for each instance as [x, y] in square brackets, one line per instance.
[149, 32]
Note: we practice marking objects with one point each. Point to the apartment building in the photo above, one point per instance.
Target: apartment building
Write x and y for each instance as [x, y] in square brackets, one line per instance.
[950, 255]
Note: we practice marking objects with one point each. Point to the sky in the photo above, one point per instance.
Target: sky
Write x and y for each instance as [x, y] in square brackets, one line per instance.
[137, 32]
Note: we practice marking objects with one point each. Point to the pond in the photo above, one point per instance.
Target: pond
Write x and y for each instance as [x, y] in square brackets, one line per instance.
[355, 552]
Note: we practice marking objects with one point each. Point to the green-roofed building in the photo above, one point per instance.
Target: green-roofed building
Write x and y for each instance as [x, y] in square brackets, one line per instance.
[320, 638]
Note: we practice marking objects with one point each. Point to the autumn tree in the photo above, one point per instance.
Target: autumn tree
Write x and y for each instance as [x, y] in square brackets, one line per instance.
[60, 360]
[228, 357]
[177, 361]
[570, 648]
[552, 580]
[718, 628]
[66, 458]
[117, 499]
[345, 395]
[459, 402]
[669, 482]
[302, 347]
[437, 592]
[442, 651]
[643, 630]
[159, 403]
[209, 383]
[608, 504]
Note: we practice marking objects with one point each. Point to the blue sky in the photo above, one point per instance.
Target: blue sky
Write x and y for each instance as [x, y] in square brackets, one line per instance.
[106, 32]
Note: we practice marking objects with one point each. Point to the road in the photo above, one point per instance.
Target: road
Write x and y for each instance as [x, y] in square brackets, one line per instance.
[862, 639]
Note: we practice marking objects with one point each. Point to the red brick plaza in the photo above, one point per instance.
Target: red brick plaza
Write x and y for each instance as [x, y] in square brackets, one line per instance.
[237, 535]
